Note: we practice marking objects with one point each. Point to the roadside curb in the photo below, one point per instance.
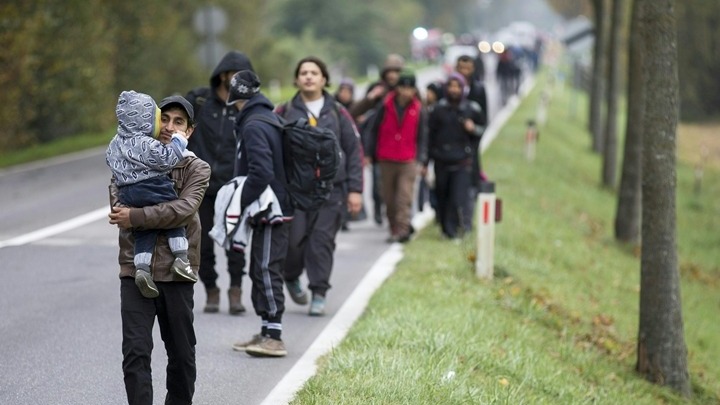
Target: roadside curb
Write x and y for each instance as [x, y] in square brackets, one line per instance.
[338, 327]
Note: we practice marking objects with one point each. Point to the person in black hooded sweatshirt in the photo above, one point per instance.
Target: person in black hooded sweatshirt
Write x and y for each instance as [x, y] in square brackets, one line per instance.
[260, 160]
[214, 142]
[455, 125]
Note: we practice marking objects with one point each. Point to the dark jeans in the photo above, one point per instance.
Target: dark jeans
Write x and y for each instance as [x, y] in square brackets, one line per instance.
[312, 242]
[152, 191]
[452, 183]
[267, 258]
[174, 312]
[376, 192]
[235, 260]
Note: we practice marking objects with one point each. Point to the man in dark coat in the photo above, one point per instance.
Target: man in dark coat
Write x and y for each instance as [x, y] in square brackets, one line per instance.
[214, 142]
[260, 161]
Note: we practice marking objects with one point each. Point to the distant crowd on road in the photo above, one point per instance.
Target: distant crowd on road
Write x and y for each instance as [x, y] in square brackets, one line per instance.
[215, 164]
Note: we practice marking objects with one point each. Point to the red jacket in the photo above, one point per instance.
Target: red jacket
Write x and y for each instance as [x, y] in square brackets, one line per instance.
[398, 137]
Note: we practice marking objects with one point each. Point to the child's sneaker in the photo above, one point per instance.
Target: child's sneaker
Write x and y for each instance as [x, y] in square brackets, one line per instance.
[182, 268]
[144, 281]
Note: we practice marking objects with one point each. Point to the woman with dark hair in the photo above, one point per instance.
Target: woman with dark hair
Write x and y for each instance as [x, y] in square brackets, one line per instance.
[312, 233]
[345, 93]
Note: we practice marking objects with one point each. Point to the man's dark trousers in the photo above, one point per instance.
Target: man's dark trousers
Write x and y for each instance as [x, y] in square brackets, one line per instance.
[174, 312]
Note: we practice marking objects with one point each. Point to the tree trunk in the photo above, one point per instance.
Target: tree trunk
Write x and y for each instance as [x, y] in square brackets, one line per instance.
[627, 217]
[662, 354]
[597, 89]
[609, 166]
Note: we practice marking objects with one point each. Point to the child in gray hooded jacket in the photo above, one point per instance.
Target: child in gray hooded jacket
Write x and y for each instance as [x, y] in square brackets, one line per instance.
[140, 165]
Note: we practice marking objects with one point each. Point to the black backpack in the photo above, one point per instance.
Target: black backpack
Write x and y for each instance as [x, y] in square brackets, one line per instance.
[311, 156]
[197, 97]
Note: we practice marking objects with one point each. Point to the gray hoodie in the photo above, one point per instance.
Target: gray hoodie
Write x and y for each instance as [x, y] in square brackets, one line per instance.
[134, 154]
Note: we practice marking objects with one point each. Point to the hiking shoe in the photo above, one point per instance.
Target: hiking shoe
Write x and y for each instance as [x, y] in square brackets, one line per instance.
[235, 297]
[212, 305]
[404, 238]
[317, 306]
[182, 268]
[298, 295]
[378, 218]
[241, 346]
[267, 347]
[144, 281]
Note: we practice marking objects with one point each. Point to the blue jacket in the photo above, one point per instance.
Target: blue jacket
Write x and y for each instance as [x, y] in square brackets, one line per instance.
[259, 154]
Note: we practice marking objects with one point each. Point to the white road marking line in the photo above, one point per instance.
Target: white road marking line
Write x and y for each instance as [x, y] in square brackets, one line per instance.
[354, 306]
[61, 227]
[343, 320]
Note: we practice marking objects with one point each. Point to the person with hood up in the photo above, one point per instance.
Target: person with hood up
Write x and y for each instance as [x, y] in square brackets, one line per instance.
[454, 126]
[260, 161]
[214, 142]
[345, 93]
[141, 164]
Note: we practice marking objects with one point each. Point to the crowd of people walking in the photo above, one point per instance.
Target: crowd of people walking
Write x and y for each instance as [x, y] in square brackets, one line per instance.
[231, 131]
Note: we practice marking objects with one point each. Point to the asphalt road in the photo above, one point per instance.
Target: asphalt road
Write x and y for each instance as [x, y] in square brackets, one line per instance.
[60, 323]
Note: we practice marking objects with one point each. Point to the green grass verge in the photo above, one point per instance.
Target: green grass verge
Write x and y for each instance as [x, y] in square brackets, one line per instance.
[82, 142]
[54, 148]
[558, 324]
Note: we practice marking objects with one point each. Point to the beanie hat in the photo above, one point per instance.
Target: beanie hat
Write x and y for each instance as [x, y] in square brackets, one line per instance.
[181, 102]
[437, 88]
[393, 62]
[406, 79]
[243, 86]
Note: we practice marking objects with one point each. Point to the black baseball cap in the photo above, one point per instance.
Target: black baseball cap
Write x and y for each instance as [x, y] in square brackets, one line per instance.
[182, 102]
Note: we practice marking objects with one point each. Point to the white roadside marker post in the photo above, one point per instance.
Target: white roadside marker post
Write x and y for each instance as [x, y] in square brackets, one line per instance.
[485, 231]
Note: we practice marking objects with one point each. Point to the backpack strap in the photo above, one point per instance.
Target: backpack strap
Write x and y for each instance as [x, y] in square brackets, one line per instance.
[197, 97]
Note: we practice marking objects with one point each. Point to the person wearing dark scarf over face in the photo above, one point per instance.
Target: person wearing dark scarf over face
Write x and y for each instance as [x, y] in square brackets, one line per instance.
[454, 125]
[214, 142]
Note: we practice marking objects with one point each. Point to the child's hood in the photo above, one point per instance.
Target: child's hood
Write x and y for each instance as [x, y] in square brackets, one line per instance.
[137, 114]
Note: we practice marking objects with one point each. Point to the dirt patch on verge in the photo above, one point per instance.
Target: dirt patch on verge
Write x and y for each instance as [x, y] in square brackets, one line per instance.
[699, 144]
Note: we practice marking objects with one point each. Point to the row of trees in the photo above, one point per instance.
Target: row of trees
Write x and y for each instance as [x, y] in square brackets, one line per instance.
[646, 207]
[697, 45]
[64, 63]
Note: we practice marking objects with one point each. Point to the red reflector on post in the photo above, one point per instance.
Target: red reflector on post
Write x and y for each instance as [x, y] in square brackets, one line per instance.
[486, 212]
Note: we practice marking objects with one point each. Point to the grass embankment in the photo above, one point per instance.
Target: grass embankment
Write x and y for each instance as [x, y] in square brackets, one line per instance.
[55, 148]
[79, 142]
[558, 324]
